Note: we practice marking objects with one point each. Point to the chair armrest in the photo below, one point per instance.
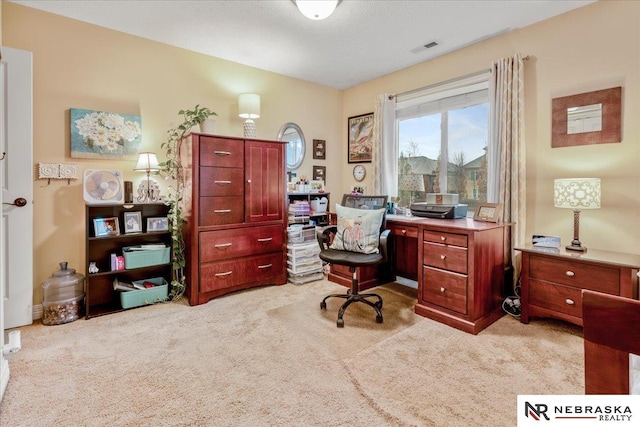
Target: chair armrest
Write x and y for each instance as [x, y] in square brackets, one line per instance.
[384, 244]
[324, 236]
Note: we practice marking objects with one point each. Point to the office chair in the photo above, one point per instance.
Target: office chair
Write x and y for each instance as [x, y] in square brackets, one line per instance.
[358, 240]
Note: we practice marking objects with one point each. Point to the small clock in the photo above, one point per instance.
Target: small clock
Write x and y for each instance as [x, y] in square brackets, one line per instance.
[359, 172]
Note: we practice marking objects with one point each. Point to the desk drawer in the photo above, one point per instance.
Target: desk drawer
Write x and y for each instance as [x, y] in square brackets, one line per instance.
[446, 257]
[228, 153]
[221, 181]
[445, 289]
[227, 274]
[561, 299]
[225, 244]
[404, 231]
[221, 210]
[445, 238]
[576, 274]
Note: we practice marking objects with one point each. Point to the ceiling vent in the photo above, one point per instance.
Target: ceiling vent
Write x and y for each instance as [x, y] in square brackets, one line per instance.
[424, 47]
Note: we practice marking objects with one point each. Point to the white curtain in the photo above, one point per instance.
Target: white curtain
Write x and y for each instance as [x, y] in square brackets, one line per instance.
[506, 154]
[385, 149]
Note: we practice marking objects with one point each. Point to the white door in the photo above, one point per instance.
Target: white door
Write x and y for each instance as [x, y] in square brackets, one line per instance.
[16, 141]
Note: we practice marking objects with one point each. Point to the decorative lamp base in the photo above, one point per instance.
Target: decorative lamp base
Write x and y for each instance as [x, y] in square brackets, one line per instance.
[249, 129]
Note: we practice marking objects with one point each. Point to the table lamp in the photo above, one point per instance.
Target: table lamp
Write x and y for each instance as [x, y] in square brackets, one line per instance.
[411, 183]
[249, 108]
[576, 194]
[148, 162]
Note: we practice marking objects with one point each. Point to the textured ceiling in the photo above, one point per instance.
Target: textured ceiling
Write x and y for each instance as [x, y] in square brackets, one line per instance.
[362, 40]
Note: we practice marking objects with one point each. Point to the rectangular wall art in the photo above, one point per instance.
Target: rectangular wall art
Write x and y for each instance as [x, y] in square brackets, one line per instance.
[359, 137]
[102, 135]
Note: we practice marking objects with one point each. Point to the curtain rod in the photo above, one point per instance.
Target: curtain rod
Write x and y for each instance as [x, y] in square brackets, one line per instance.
[446, 82]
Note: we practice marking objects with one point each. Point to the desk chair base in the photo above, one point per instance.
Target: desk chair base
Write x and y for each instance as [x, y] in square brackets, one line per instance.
[353, 295]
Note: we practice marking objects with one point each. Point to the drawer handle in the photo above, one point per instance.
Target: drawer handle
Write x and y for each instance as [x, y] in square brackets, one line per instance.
[222, 153]
[570, 273]
[404, 231]
[222, 210]
[443, 256]
[223, 245]
[222, 182]
[442, 289]
[569, 301]
[443, 238]
[266, 239]
[224, 274]
[262, 267]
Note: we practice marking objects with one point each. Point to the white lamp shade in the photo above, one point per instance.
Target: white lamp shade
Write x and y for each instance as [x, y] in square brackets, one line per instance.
[411, 182]
[577, 193]
[147, 162]
[249, 106]
[317, 9]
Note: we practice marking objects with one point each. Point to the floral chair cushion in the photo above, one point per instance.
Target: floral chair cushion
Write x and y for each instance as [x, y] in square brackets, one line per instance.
[358, 230]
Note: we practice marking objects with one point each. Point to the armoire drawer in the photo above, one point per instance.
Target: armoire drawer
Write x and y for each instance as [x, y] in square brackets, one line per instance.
[228, 153]
[221, 210]
[561, 299]
[453, 258]
[580, 275]
[221, 181]
[238, 271]
[445, 238]
[225, 244]
[445, 289]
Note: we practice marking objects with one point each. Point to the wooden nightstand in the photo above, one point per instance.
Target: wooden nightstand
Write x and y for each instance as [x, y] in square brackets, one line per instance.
[552, 280]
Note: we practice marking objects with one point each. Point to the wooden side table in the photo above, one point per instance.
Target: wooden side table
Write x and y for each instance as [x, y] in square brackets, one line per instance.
[552, 280]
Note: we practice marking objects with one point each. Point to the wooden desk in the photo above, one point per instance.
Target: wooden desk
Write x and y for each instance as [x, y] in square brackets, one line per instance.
[552, 280]
[459, 266]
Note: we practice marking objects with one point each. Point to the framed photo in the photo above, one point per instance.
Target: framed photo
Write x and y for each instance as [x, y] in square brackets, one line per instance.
[357, 189]
[317, 186]
[319, 173]
[319, 149]
[488, 212]
[104, 227]
[132, 222]
[359, 138]
[160, 223]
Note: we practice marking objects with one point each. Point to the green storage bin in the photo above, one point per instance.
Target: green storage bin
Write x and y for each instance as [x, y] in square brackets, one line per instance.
[138, 259]
[130, 299]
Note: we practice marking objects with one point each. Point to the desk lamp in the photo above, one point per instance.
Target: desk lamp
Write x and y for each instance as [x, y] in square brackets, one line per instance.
[249, 108]
[411, 183]
[576, 194]
[148, 162]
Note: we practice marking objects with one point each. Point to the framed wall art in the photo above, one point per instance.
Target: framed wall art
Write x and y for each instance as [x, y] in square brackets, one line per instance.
[319, 149]
[360, 138]
[103, 135]
[319, 173]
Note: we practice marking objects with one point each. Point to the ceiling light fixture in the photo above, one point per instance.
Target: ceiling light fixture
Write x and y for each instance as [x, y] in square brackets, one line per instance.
[317, 9]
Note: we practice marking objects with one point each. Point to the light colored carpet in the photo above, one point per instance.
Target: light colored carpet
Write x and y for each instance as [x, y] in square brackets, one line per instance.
[270, 357]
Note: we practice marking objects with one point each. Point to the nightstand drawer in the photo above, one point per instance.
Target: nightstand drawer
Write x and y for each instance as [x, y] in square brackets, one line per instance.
[453, 258]
[561, 299]
[228, 153]
[403, 231]
[445, 289]
[445, 238]
[579, 275]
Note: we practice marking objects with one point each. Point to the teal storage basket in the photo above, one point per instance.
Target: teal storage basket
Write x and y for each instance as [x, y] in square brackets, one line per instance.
[130, 299]
[138, 259]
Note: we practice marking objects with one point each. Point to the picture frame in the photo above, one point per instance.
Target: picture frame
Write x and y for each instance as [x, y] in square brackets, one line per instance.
[601, 109]
[159, 223]
[319, 173]
[360, 138]
[319, 149]
[106, 227]
[357, 189]
[488, 212]
[317, 186]
[132, 222]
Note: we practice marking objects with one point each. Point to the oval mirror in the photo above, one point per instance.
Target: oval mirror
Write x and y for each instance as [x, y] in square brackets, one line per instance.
[296, 146]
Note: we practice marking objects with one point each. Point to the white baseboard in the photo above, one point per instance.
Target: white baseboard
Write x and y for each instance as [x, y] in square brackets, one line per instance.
[37, 312]
[4, 375]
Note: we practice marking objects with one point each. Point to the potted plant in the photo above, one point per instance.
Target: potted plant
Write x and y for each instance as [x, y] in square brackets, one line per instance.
[172, 169]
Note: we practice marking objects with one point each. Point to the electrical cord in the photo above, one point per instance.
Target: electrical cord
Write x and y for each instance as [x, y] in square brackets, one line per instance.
[511, 304]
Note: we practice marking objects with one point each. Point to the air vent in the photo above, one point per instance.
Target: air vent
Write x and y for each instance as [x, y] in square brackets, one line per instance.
[424, 47]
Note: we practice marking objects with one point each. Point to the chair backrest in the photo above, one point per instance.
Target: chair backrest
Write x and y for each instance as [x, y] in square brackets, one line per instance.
[359, 201]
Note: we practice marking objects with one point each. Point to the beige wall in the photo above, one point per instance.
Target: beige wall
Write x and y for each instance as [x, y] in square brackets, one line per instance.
[594, 47]
[77, 65]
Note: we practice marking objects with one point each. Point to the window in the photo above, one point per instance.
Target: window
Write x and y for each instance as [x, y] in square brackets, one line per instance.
[443, 135]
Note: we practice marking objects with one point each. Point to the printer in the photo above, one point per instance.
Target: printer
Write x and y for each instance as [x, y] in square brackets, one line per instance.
[439, 205]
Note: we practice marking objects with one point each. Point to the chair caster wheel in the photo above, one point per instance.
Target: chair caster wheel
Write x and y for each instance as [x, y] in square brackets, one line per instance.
[378, 319]
[323, 305]
[340, 323]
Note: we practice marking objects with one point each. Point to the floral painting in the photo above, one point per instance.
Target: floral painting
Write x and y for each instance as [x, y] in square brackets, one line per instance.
[98, 134]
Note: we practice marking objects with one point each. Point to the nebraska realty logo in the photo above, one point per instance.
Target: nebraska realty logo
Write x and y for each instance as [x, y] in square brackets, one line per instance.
[578, 410]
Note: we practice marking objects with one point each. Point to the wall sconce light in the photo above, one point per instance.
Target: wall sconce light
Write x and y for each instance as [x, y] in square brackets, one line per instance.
[249, 108]
[317, 9]
[576, 194]
[149, 193]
